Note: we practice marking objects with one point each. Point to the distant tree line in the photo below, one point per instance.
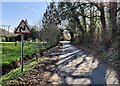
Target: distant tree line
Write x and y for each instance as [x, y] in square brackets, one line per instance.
[33, 36]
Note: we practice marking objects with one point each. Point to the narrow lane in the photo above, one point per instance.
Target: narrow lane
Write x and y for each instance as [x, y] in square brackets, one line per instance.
[74, 66]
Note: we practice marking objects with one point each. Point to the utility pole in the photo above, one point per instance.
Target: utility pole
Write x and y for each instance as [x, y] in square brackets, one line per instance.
[8, 32]
[3, 35]
[4, 30]
[8, 29]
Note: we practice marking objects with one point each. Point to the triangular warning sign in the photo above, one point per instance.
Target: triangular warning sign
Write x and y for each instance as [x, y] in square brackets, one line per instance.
[22, 28]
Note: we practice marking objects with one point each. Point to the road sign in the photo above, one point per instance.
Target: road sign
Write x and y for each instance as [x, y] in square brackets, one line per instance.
[22, 28]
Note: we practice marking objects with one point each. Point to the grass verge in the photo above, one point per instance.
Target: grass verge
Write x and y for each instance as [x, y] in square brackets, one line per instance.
[9, 52]
[16, 73]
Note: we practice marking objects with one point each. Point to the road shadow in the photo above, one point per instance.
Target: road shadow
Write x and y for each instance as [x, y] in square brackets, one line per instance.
[69, 54]
[98, 75]
[52, 53]
[71, 60]
[118, 76]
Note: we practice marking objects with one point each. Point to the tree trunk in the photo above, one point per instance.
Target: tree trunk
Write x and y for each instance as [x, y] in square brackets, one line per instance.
[83, 17]
[92, 29]
[102, 18]
[84, 20]
[104, 31]
[113, 18]
[79, 23]
[118, 36]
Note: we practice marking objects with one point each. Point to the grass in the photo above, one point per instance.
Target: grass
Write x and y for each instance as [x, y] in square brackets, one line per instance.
[9, 52]
[113, 56]
[16, 73]
[12, 53]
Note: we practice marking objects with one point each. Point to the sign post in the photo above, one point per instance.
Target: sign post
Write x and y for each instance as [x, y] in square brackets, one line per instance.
[22, 50]
[22, 29]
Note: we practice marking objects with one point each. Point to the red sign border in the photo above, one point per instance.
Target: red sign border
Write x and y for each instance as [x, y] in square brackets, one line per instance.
[22, 32]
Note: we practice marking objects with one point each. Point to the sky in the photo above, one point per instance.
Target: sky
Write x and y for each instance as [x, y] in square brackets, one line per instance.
[14, 12]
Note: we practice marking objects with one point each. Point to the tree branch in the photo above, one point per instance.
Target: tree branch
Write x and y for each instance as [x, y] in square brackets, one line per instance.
[118, 9]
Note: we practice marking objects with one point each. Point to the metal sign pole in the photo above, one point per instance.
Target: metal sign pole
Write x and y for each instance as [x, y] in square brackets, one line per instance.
[22, 29]
[22, 50]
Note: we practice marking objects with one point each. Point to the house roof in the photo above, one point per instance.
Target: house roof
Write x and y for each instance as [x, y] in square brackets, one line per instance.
[5, 32]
